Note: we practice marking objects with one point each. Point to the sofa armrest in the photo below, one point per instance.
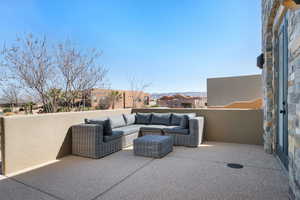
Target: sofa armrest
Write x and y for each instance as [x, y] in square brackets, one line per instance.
[86, 139]
[196, 126]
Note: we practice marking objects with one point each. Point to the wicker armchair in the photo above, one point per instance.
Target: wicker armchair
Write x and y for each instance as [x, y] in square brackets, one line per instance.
[88, 141]
[194, 138]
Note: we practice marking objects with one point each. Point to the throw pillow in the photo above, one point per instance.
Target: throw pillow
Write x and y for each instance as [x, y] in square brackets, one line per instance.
[107, 130]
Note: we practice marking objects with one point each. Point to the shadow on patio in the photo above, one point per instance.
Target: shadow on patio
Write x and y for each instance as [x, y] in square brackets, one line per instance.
[186, 173]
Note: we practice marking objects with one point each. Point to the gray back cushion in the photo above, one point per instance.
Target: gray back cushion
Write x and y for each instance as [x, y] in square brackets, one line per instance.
[107, 130]
[143, 118]
[181, 119]
[129, 118]
[176, 119]
[117, 121]
[184, 123]
[161, 119]
[191, 115]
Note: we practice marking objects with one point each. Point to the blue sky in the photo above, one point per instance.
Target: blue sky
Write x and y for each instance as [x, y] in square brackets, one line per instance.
[174, 44]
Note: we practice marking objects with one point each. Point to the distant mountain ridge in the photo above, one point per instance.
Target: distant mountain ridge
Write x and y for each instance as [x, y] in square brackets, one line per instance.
[193, 94]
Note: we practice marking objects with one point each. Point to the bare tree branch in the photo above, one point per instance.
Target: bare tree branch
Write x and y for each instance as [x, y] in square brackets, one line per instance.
[11, 95]
[80, 72]
[30, 64]
[52, 74]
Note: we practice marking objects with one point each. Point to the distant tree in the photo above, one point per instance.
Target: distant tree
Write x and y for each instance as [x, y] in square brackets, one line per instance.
[80, 71]
[30, 64]
[114, 96]
[11, 95]
[28, 108]
[55, 98]
[137, 87]
[104, 103]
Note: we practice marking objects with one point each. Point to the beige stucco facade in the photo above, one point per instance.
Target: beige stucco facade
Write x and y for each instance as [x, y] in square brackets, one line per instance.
[127, 98]
[226, 90]
[242, 126]
[34, 140]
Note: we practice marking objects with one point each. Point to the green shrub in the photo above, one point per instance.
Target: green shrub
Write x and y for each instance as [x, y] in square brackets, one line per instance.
[6, 110]
[86, 108]
[154, 106]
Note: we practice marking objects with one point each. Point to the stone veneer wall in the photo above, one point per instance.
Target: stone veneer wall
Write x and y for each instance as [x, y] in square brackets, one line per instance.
[269, 10]
[268, 7]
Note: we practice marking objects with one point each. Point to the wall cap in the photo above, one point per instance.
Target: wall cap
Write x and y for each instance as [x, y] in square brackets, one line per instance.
[64, 113]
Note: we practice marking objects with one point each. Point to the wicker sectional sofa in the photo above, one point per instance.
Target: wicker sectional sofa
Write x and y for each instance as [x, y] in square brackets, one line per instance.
[96, 138]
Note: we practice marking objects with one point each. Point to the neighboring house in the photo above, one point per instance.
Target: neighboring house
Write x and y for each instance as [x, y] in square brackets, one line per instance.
[229, 90]
[280, 63]
[127, 99]
[181, 101]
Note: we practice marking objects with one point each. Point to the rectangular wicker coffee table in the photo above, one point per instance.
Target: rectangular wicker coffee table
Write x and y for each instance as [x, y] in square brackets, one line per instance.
[156, 146]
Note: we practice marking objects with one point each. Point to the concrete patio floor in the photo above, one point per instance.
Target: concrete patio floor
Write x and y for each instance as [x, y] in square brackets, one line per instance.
[186, 173]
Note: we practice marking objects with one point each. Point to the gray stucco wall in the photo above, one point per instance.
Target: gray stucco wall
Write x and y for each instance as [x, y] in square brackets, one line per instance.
[223, 91]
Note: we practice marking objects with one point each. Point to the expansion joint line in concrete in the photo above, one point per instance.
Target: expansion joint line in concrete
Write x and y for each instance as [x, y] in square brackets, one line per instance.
[102, 193]
[35, 188]
[122, 180]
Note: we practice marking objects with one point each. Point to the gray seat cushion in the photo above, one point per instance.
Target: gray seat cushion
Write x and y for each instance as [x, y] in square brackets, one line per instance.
[161, 119]
[127, 130]
[150, 128]
[152, 139]
[143, 118]
[129, 118]
[115, 135]
[176, 130]
[117, 121]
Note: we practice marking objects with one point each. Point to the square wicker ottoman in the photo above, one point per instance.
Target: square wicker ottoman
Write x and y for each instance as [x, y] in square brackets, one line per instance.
[156, 146]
